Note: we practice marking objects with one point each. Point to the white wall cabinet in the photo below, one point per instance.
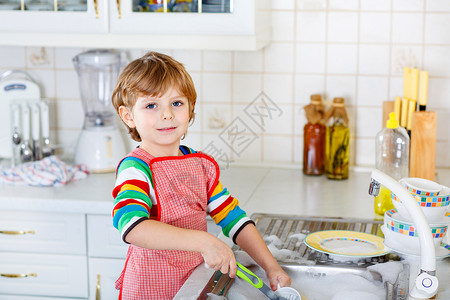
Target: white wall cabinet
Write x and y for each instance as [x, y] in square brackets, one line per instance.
[118, 24]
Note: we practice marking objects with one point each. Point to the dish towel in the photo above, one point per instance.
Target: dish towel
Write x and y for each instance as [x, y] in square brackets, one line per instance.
[49, 171]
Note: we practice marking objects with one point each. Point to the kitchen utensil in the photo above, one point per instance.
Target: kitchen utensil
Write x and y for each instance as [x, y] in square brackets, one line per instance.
[288, 293]
[247, 275]
[47, 149]
[26, 152]
[100, 145]
[35, 131]
[16, 136]
[17, 90]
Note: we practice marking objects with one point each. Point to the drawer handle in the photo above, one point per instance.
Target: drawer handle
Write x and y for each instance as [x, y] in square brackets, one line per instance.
[97, 289]
[119, 10]
[18, 275]
[97, 15]
[17, 232]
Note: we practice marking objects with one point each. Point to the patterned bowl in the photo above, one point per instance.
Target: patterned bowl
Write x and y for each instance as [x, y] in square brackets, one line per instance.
[401, 234]
[434, 207]
[420, 186]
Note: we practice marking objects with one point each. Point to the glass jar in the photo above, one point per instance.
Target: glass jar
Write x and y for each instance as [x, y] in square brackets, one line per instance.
[337, 140]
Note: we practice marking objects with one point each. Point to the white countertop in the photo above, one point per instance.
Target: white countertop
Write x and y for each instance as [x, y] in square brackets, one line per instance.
[259, 190]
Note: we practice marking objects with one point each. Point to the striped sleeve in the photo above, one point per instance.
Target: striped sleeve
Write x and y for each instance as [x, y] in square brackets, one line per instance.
[225, 211]
[132, 194]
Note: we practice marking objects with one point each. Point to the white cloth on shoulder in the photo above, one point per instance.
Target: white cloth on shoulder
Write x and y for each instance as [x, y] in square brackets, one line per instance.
[49, 171]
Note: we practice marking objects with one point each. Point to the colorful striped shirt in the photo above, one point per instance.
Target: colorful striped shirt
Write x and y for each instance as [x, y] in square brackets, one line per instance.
[135, 199]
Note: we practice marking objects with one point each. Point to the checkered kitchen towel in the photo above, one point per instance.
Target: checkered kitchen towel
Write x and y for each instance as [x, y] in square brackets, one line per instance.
[49, 171]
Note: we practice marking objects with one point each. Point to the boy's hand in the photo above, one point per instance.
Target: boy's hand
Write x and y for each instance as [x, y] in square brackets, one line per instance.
[219, 256]
[277, 277]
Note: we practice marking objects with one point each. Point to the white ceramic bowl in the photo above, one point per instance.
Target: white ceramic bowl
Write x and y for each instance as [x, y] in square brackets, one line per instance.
[433, 207]
[420, 186]
[401, 235]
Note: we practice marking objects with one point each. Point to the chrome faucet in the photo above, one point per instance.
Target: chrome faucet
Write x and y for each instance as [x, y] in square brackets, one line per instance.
[426, 283]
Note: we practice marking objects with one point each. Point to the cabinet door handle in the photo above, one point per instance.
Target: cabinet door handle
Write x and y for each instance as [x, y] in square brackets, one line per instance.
[18, 275]
[119, 10]
[97, 289]
[17, 232]
[97, 15]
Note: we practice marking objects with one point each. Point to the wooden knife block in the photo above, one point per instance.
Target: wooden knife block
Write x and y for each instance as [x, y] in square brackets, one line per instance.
[388, 107]
[422, 158]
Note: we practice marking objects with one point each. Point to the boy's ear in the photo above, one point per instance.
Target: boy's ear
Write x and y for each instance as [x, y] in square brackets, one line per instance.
[126, 116]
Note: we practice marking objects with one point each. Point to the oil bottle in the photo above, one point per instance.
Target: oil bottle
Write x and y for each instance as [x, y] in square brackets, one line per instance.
[391, 157]
[337, 140]
[314, 138]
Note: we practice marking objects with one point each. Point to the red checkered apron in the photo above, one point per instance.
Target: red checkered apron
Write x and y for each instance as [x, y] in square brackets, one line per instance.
[182, 186]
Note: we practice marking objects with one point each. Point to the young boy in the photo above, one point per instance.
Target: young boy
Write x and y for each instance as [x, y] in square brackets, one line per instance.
[164, 191]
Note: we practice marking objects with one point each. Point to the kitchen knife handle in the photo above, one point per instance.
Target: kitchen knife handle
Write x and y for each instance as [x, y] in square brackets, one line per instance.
[17, 232]
[9, 275]
[45, 120]
[16, 115]
[35, 122]
[26, 122]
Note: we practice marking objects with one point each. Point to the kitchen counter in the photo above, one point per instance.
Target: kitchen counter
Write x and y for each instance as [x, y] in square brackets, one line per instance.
[259, 190]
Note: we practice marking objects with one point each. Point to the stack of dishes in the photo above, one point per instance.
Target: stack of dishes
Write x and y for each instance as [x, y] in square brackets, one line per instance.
[399, 230]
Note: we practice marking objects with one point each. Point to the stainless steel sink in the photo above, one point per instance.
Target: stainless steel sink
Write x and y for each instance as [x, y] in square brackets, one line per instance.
[306, 262]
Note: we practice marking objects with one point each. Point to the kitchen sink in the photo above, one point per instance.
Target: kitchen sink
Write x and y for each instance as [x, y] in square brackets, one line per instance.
[313, 272]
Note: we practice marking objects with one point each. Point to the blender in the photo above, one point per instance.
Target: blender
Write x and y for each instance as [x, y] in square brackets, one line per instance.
[100, 145]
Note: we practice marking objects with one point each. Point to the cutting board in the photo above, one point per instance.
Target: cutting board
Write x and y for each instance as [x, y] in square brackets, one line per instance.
[13, 89]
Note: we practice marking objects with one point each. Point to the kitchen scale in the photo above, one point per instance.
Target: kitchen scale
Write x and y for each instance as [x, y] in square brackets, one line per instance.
[100, 145]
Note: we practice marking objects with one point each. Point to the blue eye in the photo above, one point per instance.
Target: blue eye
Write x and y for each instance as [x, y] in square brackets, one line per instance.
[177, 103]
[151, 106]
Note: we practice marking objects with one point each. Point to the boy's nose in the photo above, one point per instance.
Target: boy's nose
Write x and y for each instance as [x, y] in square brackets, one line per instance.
[167, 114]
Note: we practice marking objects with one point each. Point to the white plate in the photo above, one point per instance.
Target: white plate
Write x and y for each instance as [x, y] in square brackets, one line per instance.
[441, 252]
[346, 243]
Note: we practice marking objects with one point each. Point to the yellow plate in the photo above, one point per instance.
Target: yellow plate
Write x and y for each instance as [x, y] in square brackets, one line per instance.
[346, 243]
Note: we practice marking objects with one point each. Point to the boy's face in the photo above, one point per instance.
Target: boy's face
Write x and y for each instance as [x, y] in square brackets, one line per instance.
[161, 121]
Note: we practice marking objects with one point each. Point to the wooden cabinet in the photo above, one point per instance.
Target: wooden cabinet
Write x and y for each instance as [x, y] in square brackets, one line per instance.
[119, 24]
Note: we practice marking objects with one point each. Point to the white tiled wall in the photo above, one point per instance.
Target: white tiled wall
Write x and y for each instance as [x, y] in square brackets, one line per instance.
[354, 49]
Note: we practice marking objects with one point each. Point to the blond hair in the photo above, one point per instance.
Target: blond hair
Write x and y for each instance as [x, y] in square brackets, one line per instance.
[152, 75]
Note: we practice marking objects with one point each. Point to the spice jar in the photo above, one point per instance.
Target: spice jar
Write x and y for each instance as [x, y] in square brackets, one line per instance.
[314, 138]
[337, 140]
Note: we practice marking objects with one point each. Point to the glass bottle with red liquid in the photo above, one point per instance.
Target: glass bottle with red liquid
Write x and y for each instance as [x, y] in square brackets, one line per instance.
[314, 138]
